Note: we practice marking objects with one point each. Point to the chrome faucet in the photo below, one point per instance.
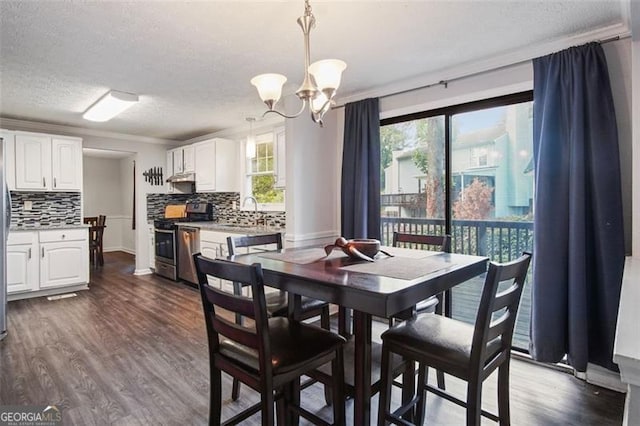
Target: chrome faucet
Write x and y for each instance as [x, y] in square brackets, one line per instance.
[255, 206]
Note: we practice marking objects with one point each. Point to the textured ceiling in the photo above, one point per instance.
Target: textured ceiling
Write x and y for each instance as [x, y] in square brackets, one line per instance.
[191, 62]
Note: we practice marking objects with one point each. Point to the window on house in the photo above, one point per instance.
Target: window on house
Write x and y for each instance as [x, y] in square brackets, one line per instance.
[471, 174]
[264, 161]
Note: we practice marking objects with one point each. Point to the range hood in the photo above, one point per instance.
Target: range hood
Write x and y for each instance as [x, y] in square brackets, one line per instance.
[182, 177]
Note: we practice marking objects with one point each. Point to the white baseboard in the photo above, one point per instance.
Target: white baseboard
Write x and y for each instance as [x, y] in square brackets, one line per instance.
[299, 240]
[47, 292]
[146, 271]
[124, 249]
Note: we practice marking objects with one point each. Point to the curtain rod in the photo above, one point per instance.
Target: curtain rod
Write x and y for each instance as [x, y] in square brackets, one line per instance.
[445, 83]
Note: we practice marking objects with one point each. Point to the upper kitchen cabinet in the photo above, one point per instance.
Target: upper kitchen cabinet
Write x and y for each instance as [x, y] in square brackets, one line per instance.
[47, 162]
[182, 160]
[9, 155]
[216, 166]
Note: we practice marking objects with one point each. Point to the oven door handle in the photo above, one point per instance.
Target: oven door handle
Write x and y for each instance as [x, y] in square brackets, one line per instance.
[163, 231]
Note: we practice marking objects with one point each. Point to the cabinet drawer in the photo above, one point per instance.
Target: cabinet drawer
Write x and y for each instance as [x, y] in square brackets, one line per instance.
[20, 237]
[64, 235]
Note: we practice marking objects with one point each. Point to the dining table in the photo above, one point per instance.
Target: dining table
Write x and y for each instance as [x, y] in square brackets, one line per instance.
[393, 283]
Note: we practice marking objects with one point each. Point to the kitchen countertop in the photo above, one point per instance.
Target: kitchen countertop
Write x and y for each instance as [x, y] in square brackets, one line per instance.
[48, 227]
[233, 228]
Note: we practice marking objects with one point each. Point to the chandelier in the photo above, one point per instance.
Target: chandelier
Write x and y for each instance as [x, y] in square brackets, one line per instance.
[321, 79]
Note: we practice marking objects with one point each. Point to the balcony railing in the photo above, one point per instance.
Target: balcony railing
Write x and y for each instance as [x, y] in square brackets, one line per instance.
[499, 240]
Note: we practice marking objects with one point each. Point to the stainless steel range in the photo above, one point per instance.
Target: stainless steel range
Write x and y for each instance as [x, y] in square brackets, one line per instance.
[166, 230]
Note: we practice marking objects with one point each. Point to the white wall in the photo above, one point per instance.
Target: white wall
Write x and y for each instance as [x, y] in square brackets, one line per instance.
[128, 234]
[313, 160]
[102, 185]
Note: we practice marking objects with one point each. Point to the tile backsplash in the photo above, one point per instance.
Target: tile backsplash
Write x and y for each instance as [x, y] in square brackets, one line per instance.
[48, 209]
[223, 207]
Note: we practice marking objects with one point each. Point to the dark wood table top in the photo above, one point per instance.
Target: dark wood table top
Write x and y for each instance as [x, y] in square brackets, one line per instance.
[370, 291]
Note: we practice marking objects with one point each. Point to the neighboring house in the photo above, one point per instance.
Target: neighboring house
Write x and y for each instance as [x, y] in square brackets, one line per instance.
[499, 156]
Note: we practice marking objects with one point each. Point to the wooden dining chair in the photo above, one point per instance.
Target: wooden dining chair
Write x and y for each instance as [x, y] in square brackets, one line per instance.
[436, 303]
[440, 302]
[277, 301]
[269, 355]
[469, 352]
[96, 234]
[90, 220]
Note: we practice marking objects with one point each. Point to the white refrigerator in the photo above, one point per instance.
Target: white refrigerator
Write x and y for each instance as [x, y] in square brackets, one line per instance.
[5, 221]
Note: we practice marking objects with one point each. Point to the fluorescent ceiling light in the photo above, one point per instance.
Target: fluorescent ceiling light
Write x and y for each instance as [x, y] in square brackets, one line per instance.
[110, 105]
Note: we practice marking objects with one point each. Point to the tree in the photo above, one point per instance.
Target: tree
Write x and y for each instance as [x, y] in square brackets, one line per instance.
[392, 138]
[429, 158]
[474, 201]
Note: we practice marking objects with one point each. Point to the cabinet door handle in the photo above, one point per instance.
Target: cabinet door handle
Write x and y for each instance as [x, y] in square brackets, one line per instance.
[44, 182]
[43, 252]
[29, 253]
[55, 182]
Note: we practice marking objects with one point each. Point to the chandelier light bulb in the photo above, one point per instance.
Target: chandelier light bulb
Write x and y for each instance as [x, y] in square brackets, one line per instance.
[327, 73]
[269, 87]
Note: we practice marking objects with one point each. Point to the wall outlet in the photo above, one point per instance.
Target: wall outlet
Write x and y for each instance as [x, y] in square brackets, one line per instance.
[28, 205]
[234, 205]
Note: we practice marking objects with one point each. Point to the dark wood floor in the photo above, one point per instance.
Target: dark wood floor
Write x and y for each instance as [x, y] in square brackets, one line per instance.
[132, 350]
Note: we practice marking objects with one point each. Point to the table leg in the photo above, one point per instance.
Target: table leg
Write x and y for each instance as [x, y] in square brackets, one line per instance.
[362, 363]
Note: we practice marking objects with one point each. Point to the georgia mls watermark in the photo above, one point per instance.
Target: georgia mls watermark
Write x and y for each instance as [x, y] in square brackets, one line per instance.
[30, 415]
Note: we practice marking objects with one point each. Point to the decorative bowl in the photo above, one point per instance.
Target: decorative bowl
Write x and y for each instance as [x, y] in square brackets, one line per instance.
[358, 248]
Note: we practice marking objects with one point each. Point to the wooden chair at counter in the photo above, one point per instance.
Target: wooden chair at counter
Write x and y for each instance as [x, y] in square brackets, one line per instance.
[277, 303]
[269, 355]
[96, 233]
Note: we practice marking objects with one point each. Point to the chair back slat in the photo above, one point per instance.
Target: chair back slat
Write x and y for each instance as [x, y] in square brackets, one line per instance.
[230, 302]
[436, 242]
[235, 243]
[255, 336]
[504, 305]
[499, 326]
[235, 332]
[505, 298]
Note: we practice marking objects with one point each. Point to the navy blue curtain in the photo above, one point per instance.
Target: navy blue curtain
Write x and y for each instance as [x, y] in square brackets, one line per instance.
[361, 170]
[578, 231]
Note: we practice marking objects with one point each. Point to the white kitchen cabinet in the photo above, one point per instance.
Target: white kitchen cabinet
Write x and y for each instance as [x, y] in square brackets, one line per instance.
[47, 162]
[10, 172]
[170, 187]
[45, 260]
[22, 262]
[216, 166]
[66, 164]
[189, 159]
[64, 258]
[182, 160]
[280, 164]
[178, 161]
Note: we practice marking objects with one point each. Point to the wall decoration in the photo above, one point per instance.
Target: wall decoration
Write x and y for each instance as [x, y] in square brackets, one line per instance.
[154, 176]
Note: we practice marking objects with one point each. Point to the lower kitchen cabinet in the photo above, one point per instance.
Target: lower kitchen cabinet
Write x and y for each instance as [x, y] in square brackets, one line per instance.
[44, 260]
[22, 262]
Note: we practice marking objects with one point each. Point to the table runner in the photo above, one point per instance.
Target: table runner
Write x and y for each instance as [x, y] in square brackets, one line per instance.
[403, 268]
[303, 256]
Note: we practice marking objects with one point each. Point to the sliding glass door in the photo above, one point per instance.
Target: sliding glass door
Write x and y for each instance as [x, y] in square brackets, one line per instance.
[465, 170]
